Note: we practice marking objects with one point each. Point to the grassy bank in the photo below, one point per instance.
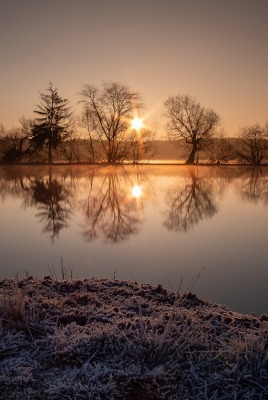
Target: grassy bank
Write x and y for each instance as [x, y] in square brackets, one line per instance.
[109, 339]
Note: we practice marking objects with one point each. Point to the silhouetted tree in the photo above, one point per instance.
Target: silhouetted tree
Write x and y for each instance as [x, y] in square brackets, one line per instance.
[106, 116]
[220, 150]
[93, 143]
[142, 145]
[13, 147]
[253, 144]
[189, 121]
[190, 203]
[7, 143]
[3, 131]
[71, 150]
[52, 125]
[142, 141]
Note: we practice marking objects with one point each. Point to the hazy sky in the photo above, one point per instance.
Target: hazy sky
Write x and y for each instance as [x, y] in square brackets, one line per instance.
[214, 50]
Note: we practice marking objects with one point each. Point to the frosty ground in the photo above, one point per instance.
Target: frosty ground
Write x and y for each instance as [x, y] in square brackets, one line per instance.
[109, 339]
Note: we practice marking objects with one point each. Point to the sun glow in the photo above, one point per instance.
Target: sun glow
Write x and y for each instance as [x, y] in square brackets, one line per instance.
[136, 191]
[137, 123]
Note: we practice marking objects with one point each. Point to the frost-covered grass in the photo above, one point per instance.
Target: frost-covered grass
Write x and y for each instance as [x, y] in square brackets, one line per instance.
[108, 339]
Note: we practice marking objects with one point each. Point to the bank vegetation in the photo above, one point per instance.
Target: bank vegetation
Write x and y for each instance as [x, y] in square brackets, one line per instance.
[107, 339]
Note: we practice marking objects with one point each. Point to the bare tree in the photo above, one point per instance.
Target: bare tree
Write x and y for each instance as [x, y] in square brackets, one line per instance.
[253, 146]
[93, 144]
[188, 120]
[107, 112]
[70, 149]
[3, 134]
[220, 150]
[2, 130]
[142, 145]
[13, 143]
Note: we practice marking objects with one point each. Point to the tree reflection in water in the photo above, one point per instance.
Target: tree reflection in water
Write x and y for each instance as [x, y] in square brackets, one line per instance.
[190, 202]
[53, 202]
[111, 209]
[253, 185]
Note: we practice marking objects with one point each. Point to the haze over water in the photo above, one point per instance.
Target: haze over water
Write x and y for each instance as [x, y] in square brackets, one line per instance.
[152, 224]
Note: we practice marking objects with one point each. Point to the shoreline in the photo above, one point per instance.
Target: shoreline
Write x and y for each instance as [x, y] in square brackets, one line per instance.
[149, 163]
[112, 339]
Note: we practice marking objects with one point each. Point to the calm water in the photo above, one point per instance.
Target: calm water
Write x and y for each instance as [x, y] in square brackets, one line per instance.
[156, 224]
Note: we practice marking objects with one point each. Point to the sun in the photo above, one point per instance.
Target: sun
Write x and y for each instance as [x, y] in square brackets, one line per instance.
[137, 123]
[136, 191]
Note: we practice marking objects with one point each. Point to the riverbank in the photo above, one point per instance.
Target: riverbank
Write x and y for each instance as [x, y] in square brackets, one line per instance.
[110, 339]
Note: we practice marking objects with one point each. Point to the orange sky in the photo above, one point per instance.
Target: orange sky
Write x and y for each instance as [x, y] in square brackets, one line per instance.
[214, 50]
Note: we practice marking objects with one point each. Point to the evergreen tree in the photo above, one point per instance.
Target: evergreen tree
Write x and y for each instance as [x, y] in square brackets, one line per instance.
[52, 124]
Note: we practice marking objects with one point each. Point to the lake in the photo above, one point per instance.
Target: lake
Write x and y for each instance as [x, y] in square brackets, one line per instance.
[190, 228]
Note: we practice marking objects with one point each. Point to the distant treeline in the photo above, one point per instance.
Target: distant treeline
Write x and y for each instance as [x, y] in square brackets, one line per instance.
[105, 132]
[218, 151]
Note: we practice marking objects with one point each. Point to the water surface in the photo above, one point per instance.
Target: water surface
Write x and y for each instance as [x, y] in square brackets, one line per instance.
[199, 228]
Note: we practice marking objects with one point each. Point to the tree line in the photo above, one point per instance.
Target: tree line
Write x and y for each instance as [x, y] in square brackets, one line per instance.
[54, 135]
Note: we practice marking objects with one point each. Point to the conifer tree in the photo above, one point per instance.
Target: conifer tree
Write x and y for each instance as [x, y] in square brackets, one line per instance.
[52, 125]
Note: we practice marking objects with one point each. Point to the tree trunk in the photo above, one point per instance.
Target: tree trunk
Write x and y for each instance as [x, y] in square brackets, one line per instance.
[49, 151]
[50, 148]
[191, 158]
